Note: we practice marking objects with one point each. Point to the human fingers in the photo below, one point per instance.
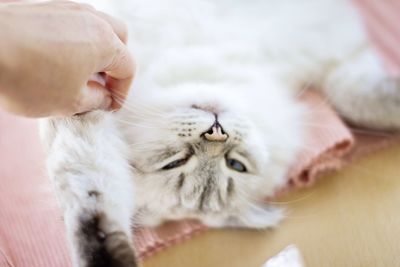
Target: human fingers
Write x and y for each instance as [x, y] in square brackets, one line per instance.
[119, 75]
[117, 25]
[93, 96]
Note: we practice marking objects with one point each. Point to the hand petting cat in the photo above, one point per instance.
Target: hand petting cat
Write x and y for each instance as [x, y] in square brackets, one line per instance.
[48, 51]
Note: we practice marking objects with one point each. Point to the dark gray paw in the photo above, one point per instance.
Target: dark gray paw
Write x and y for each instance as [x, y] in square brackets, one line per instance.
[97, 248]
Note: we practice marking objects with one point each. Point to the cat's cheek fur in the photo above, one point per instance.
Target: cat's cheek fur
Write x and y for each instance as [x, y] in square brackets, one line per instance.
[87, 163]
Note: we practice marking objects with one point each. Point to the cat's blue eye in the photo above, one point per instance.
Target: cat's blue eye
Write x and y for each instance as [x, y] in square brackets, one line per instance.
[236, 165]
[175, 164]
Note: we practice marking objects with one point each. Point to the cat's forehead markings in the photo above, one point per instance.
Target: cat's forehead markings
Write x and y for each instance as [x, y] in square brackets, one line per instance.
[181, 181]
[230, 187]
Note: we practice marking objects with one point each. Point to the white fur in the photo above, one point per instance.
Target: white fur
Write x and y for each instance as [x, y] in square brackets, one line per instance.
[241, 60]
[91, 174]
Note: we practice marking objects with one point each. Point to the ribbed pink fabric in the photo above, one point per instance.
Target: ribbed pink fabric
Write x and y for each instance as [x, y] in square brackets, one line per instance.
[31, 230]
[383, 20]
[327, 140]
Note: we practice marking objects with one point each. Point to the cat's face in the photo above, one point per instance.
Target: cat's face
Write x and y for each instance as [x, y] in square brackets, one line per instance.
[199, 151]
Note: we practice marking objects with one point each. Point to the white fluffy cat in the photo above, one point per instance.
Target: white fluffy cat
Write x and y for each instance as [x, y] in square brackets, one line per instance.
[211, 125]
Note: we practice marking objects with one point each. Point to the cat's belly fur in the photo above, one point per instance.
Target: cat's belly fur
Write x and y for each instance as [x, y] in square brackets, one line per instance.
[208, 41]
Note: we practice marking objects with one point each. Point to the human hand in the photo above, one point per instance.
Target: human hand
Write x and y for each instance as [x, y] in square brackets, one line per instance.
[48, 51]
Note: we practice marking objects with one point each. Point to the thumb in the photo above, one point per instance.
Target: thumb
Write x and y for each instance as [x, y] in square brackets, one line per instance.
[94, 96]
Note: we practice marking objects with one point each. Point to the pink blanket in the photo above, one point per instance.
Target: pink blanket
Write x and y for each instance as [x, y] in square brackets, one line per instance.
[31, 229]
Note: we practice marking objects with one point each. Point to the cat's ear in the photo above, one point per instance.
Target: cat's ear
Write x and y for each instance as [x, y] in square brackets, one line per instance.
[257, 216]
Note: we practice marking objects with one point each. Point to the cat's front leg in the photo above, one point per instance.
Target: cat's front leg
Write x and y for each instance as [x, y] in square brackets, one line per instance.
[93, 181]
[361, 91]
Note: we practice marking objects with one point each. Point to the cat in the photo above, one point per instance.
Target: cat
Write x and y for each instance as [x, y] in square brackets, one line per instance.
[212, 123]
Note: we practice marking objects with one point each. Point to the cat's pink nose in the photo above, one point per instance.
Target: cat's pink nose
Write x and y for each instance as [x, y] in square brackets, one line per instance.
[215, 134]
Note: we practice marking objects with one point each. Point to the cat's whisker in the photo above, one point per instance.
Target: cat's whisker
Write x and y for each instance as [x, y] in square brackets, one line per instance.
[148, 142]
[246, 196]
[302, 198]
[319, 107]
[370, 132]
[324, 101]
[139, 109]
[142, 119]
[144, 116]
[304, 89]
[138, 112]
[310, 112]
[139, 125]
[151, 141]
[288, 216]
[144, 147]
[365, 170]
[134, 107]
[134, 103]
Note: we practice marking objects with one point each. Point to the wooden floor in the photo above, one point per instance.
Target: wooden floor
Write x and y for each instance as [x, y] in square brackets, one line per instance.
[348, 219]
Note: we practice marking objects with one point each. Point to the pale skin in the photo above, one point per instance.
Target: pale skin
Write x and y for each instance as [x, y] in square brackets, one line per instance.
[49, 52]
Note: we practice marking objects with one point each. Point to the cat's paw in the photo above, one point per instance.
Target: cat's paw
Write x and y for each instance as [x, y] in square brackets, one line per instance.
[99, 248]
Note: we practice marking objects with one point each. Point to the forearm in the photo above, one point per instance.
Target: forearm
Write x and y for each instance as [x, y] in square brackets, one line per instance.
[7, 57]
[8, 61]
[12, 89]
[22, 65]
